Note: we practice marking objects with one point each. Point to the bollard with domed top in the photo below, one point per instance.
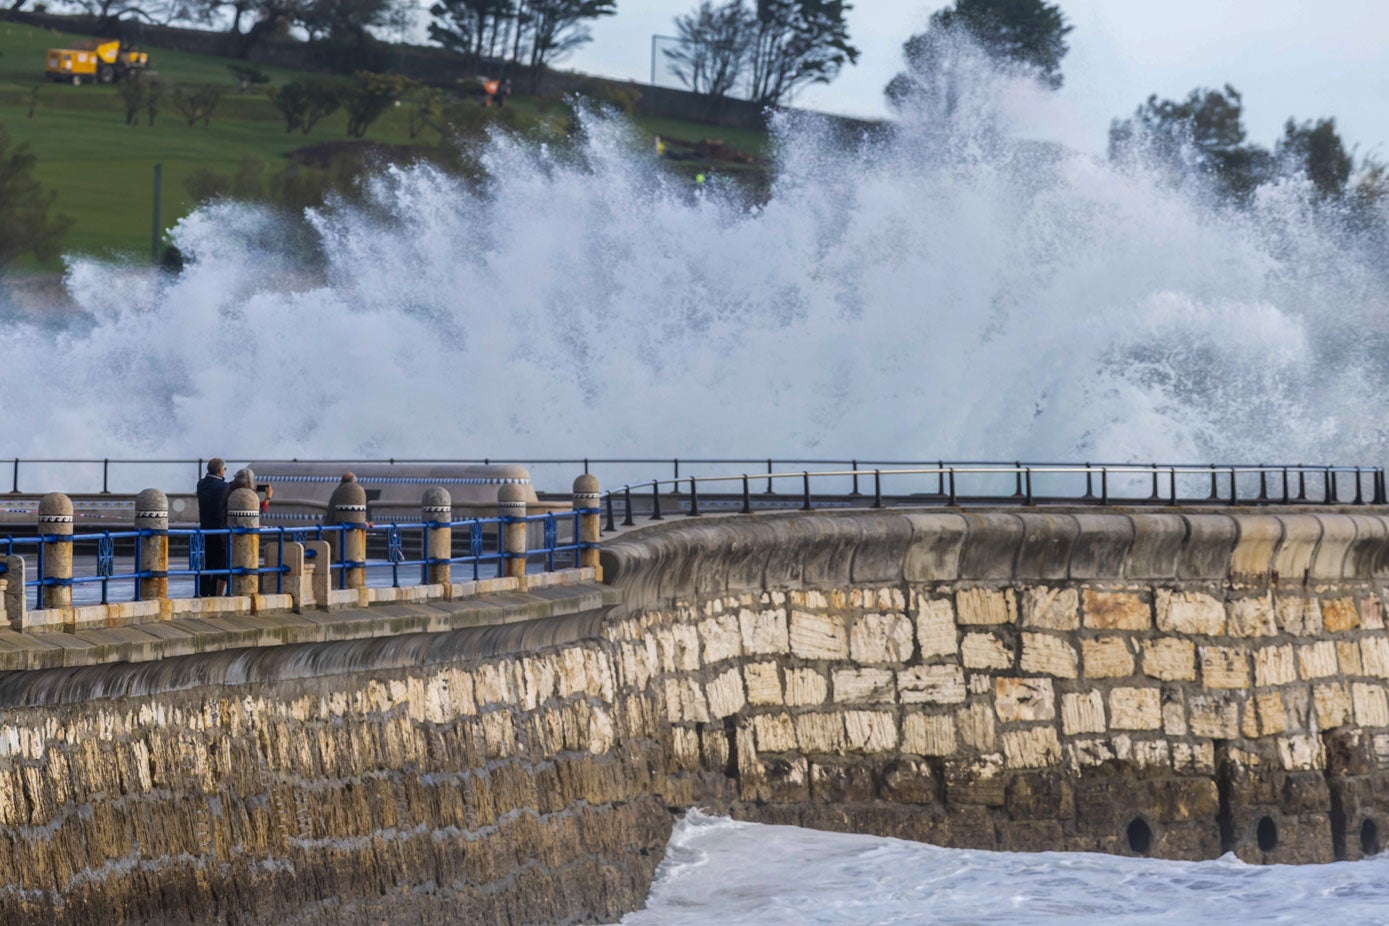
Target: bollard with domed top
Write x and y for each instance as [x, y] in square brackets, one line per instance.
[586, 498]
[348, 506]
[436, 510]
[55, 527]
[152, 521]
[511, 506]
[243, 511]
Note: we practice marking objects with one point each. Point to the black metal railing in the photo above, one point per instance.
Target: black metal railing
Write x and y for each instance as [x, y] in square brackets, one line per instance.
[1017, 483]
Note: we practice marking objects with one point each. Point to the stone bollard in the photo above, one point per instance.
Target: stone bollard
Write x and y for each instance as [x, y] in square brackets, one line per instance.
[152, 514]
[436, 510]
[586, 499]
[511, 503]
[12, 588]
[243, 510]
[55, 521]
[349, 506]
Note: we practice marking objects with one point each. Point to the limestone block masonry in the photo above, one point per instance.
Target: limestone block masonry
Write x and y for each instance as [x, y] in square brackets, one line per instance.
[1164, 683]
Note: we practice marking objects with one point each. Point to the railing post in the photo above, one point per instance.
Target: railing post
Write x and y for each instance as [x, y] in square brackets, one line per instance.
[14, 484]
[747, 496]
[12, 592]
[877, 488]
[152, 523]
[853, 465]
[612, 521]
[694, 497]
[770, 489]
[1017, 478]
[436, 511]
[656, 501]
[1359, 490]
[1104, 485]
[348, 506]
[1089, 482]
[1330, 488]
[805, 503]
[1155, 496]
[243, 519]
[586, 495]
[952, 499]
[1172, 485]
[1028, 476]
[511, 508]
[627, 499]
[1263, 483]
[55, 528]
[1286, 496]
[1301, 483]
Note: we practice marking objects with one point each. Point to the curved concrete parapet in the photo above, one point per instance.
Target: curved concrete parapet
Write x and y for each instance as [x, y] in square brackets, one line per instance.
[692, 558]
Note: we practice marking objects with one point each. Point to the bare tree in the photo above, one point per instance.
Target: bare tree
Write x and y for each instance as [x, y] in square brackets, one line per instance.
[715, 42]
[798, 43]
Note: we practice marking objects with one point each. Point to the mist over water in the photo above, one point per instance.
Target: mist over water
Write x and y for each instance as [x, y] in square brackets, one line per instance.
[945, 290]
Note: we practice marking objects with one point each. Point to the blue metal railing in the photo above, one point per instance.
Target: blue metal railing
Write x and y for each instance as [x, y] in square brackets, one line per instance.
[481, 540]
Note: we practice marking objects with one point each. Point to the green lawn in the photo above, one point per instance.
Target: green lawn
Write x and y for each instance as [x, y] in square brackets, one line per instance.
[102, 169]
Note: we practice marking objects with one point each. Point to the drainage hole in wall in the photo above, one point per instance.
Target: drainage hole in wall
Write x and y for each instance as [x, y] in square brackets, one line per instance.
[1369, 837]
[1140, 836]
[1267, 834]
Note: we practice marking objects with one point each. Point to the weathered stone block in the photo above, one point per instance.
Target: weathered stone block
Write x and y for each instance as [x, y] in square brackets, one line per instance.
[1339, 615]
[870, 731]
[975, 781]
[1048, 654]
[986, 606]
[1224, 666]
[1024, 699]
[1274, 665]
[821, 733]
[763, 682]
[1135, 709]
[1051, 608]
[1116, 611]
[1371, 705]
[1298, 616]
[1348, 656]
[1301, 752]
[864, 685]
[1317, 660]
[1152, 754]
[806, 688]
[1332, 704]
[881, 638]
[1189, 613]
[935, 627]
[1106, 657]
[1171, 659]
[774, 733]
[1371, 614]
[908, 782]
[1214, 716]
[1082, 713]
[985, 651]
[764, 632]
[931, 684]
[722, 638]
[1034, 747]
[1252, 617]
[928, 735]
[976, 727]
[1374, 655]
[725, 694]
[818, 636]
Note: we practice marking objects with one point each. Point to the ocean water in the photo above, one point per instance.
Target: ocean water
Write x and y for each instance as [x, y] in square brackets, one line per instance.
[718, 870]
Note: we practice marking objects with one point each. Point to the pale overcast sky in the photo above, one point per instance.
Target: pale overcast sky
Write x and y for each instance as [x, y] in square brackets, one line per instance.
[1288, 57]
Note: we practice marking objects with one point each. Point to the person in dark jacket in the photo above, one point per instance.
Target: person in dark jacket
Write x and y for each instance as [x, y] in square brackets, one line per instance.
[212, 515]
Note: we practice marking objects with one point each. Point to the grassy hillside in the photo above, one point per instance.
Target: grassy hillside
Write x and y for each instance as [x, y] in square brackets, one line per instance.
[102, 169]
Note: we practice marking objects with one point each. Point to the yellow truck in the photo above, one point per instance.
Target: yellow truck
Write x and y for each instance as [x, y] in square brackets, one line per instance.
[100, 61]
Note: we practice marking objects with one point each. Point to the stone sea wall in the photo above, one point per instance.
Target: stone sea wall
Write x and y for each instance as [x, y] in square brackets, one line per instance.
[1145, 683]
[1176, 685]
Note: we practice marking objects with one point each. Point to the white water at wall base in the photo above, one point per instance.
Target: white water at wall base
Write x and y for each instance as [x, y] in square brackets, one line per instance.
[720, 871]
[938, 292]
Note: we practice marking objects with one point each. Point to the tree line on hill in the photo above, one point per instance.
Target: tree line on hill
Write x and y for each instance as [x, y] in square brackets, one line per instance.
[1202, 135]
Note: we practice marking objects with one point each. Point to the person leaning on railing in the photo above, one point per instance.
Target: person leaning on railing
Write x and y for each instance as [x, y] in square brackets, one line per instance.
[212, 516]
